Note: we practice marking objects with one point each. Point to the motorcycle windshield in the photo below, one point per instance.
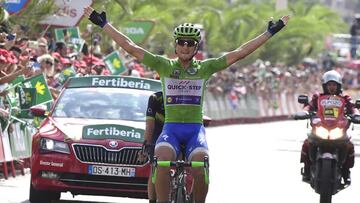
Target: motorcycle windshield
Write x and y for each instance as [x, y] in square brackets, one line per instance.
[331, 110]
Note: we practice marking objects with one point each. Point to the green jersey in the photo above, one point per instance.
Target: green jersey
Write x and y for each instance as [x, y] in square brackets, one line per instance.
[183, 89]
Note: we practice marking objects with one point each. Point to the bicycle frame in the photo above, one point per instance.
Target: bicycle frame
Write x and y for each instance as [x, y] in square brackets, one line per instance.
[179, 193]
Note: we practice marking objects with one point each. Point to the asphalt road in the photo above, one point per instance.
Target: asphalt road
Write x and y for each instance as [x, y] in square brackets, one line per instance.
[249, 163]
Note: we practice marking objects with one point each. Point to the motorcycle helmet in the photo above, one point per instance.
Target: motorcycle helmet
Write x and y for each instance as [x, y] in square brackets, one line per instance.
[332, 76]
[187, 30]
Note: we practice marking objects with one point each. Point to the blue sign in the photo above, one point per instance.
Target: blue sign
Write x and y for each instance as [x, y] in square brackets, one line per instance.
[15, 6]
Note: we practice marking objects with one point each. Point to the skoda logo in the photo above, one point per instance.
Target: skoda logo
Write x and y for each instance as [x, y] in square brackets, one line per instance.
[113, 143]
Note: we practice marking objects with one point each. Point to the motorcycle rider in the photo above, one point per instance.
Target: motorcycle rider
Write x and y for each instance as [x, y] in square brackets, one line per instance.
[332, 85]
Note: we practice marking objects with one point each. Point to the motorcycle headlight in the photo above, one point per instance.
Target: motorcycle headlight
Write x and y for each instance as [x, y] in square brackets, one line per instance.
[54, 146]
[333, 134]
[322, 133]
[336, 133]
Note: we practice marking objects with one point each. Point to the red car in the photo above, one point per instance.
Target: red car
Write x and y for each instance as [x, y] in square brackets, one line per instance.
[89, 142]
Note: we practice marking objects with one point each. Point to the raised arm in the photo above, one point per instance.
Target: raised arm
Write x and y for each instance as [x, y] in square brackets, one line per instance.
[122, 40]
[250, 46]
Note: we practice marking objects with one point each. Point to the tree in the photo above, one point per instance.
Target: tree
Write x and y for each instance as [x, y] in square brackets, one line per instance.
[30, 16]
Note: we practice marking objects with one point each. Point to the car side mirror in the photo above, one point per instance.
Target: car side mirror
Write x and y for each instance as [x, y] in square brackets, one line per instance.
[357, 103]
[38, 110]
[303, 99]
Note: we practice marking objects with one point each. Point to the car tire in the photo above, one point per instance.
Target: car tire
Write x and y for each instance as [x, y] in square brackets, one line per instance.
[42, 196]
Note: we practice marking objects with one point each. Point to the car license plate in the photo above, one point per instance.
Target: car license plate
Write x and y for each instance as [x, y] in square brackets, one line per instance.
[111, 171]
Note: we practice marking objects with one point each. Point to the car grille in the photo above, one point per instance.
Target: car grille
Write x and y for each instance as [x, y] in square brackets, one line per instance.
[135, 186]
[99, 154]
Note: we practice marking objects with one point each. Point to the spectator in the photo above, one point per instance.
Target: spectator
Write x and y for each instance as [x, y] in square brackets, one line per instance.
[61, 48]
[355, 35]
[46, 65]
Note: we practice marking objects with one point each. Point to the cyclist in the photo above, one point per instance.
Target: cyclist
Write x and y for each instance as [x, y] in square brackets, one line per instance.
[183, 86]
[155, 116]
[332, 85]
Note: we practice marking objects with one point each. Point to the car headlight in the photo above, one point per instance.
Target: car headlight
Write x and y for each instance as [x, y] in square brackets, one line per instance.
[325, 134]
[54, 146]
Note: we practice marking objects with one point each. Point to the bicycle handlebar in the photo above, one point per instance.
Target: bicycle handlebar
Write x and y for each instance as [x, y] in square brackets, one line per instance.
[179, 163]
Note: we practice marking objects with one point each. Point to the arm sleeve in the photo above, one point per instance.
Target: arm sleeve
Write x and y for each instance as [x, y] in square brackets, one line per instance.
[214, 65]
[155, 62]
[151, 108]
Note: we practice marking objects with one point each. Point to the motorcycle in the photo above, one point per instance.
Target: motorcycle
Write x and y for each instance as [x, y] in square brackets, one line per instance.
[328, 138]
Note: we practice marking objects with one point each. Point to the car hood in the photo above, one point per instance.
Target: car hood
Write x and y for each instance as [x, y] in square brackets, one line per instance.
[74, 128]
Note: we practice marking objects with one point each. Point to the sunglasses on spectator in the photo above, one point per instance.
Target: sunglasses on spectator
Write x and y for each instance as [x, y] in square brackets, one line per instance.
[49, 63]
[187, 42]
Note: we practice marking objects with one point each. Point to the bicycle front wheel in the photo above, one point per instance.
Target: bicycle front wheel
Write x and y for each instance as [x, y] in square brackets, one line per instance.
[179, 196]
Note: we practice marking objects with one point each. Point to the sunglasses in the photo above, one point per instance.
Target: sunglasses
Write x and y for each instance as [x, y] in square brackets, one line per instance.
[49, 63]
[187, 42]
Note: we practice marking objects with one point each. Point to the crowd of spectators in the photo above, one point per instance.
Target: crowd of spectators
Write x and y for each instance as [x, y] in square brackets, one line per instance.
[261, 77]
[267, 80]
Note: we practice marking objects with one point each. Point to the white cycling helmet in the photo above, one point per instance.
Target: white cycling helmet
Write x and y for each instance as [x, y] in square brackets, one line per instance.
[332, 76]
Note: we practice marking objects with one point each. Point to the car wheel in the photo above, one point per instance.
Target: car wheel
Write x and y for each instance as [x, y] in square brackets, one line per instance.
[42, 196]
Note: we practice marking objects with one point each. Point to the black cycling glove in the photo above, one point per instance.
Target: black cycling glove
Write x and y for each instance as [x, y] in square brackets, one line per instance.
[98, 18]
[273, 28]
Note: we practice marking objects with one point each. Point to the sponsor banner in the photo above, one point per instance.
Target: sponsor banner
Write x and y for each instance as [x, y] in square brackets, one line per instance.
[115, 81]
[138, 31]
[109, 131]
[69, 13]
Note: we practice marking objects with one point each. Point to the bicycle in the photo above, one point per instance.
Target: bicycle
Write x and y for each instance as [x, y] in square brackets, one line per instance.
[180, 193]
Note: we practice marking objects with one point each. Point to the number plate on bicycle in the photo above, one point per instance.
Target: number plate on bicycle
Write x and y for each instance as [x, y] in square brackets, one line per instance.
[111, 171]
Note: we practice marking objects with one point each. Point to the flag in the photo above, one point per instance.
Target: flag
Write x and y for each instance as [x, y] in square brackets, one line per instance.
[17, 80]
[71, 36]
[42, 91]
[27, 97]
[114, 63]
[66, 73]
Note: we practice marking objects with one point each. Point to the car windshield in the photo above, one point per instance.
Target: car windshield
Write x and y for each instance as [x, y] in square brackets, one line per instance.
[103, 103]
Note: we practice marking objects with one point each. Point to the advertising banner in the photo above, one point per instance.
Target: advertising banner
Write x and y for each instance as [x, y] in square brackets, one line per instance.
[69, 13]
[138, 31]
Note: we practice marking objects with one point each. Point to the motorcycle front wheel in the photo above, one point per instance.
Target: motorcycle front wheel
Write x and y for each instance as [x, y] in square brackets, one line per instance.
[326, 180]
